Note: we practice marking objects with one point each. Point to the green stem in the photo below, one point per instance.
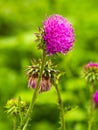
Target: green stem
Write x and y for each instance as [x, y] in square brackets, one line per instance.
[91, 108]
[60, 102]
[29, 111]
[14, 123]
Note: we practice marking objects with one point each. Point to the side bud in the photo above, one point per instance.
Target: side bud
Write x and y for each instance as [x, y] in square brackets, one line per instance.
[14, 106]
[91, 72]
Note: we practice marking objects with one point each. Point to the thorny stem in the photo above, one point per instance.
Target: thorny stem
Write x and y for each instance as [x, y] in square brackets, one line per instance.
[27, 117]
[91, 108]
[60, 102]
[14, 123]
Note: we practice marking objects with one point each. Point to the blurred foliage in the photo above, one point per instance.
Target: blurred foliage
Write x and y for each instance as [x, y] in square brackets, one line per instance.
[18, 22]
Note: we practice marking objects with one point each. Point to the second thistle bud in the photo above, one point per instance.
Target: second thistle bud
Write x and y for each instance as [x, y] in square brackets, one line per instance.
[91, 72]
[13, 106]
[49, 75]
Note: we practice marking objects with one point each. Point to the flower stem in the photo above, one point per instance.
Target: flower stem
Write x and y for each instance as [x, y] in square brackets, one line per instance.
[27, 117]
[14, 123]
[91, 108]
[60, 102]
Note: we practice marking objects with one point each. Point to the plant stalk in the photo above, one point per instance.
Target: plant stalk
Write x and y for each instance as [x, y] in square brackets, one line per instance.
[91, 108]
[60, 102]
[29, 111]
[14, 123]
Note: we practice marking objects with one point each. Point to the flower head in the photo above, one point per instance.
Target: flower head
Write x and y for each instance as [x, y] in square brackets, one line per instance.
[95, 98]
[91, 71]
[49, 75]
[45, 83]
[58, 34]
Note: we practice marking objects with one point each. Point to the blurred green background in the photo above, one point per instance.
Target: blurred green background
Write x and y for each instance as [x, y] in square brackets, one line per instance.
[19, 20]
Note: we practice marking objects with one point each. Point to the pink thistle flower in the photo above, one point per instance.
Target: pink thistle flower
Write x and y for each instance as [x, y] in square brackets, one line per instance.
[32, 82]
[45, 83]
[58, 34]
[91, 65]
[95, 98]
[91, 72]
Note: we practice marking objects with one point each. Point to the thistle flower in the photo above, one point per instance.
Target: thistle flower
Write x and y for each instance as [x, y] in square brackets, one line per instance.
[91, 71]
[44, 85]
[95, 98]
[58, 34]
[49, 75]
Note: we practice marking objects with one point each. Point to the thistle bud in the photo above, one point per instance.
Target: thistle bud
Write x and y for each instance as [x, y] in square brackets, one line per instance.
[13, 107]
[91, 72]
[49, 75]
